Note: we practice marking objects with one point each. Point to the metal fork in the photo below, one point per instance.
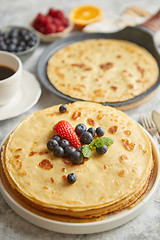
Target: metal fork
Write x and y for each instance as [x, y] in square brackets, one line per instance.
[149, 125]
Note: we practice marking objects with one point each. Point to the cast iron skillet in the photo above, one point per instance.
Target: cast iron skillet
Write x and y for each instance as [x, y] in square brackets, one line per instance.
[141, 35]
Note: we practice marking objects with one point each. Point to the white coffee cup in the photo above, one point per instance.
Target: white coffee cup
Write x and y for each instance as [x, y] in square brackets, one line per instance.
[11, 85]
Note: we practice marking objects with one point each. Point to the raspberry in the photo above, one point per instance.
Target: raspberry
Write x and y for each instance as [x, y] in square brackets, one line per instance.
[65, 130]
[60, 28]
[41, 29]
[40, 17]
[57, 22]
[51, 28]
[51, 12]
[59, 14]
[64, 21]
[47, 20]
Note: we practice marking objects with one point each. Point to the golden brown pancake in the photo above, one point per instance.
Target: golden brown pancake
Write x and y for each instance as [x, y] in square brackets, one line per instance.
[102, 70]
[105, 183]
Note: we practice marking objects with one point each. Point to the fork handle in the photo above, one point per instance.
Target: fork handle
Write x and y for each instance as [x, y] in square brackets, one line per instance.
[157, 137]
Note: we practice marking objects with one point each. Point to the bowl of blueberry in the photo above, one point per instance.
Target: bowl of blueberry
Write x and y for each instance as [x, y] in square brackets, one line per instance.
[18, 40]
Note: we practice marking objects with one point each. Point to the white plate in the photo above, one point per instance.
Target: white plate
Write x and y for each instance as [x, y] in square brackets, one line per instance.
[25, 98]
[111, 221]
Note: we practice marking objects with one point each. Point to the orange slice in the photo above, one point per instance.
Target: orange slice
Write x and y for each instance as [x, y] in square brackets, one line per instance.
[85, 14]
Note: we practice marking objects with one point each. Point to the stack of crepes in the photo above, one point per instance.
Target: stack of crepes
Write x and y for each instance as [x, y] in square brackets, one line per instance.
[105, 183]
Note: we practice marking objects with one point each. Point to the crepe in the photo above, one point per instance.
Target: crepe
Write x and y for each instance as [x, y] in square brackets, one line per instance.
[102, 70]
[105, 183]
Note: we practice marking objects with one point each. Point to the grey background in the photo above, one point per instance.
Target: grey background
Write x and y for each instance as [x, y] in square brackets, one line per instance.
[146, 225]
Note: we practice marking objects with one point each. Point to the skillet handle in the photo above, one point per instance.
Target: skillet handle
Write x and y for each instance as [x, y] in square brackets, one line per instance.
[153, 23]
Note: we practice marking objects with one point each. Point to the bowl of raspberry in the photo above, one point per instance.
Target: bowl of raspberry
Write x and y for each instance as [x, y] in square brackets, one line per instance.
[51, 26]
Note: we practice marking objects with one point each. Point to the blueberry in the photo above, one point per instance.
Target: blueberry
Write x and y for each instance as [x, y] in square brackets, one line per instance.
[26, 37]
[71, 178]
[22, 43]
[1, 38]
[86, 138]
[76, 157]
[57, 138]
[64, 143]
[68, 151]
[31, 43]
[92, 131]
[19, 49]
[5, 35]
[26, 47]
[99, 131]
[62, 108]
[79, 149]
[24, 32]
[11, 47]
[102, 150]
[80, 128]
[58, 151]
[14, 33]
[3, 46]
[51, 144]
[14, 40]
[8, 41]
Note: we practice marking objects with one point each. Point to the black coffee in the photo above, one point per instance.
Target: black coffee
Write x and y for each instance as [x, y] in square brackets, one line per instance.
[5, 72]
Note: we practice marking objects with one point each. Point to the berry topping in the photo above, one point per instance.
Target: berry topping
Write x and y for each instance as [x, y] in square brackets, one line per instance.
[92, 131]
[65, 130]
[64, 143]
[71, 178]
[102, 150]
[51, 144]
[17, 40]
[80, 128]
[62, 108]
[52, 22]
[57, 138]
[76, 157]
[68, 151]
[99, 131]
[86, 138]
[79, 149]
[58, 151]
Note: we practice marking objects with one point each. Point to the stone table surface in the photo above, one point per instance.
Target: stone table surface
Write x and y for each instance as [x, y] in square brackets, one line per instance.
[147, 224]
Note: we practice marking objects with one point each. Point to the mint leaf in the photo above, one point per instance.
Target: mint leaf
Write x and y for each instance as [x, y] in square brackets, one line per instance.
[86, 151]
[108, 141]
[99, 142]
[93, 143]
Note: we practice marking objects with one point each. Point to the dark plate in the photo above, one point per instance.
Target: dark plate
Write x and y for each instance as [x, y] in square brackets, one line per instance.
[126, 34]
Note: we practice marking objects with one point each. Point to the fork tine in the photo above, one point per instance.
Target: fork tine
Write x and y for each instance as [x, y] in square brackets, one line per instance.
[148, 119]
[144, 121]
[152, 123]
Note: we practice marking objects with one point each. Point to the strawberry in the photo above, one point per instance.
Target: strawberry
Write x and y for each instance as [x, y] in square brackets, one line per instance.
[65, 130]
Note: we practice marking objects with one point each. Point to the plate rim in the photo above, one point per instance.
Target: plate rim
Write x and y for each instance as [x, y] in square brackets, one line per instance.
[119, 218]
[37, 95]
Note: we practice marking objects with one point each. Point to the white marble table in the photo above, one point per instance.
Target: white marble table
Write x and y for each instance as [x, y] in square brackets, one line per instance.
[146, 225]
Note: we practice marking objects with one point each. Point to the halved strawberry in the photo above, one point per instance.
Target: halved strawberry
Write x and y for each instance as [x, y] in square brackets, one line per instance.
[65, 130]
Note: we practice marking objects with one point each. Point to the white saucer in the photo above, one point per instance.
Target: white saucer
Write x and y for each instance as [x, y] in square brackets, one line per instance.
[111, 221]
[28, 96]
